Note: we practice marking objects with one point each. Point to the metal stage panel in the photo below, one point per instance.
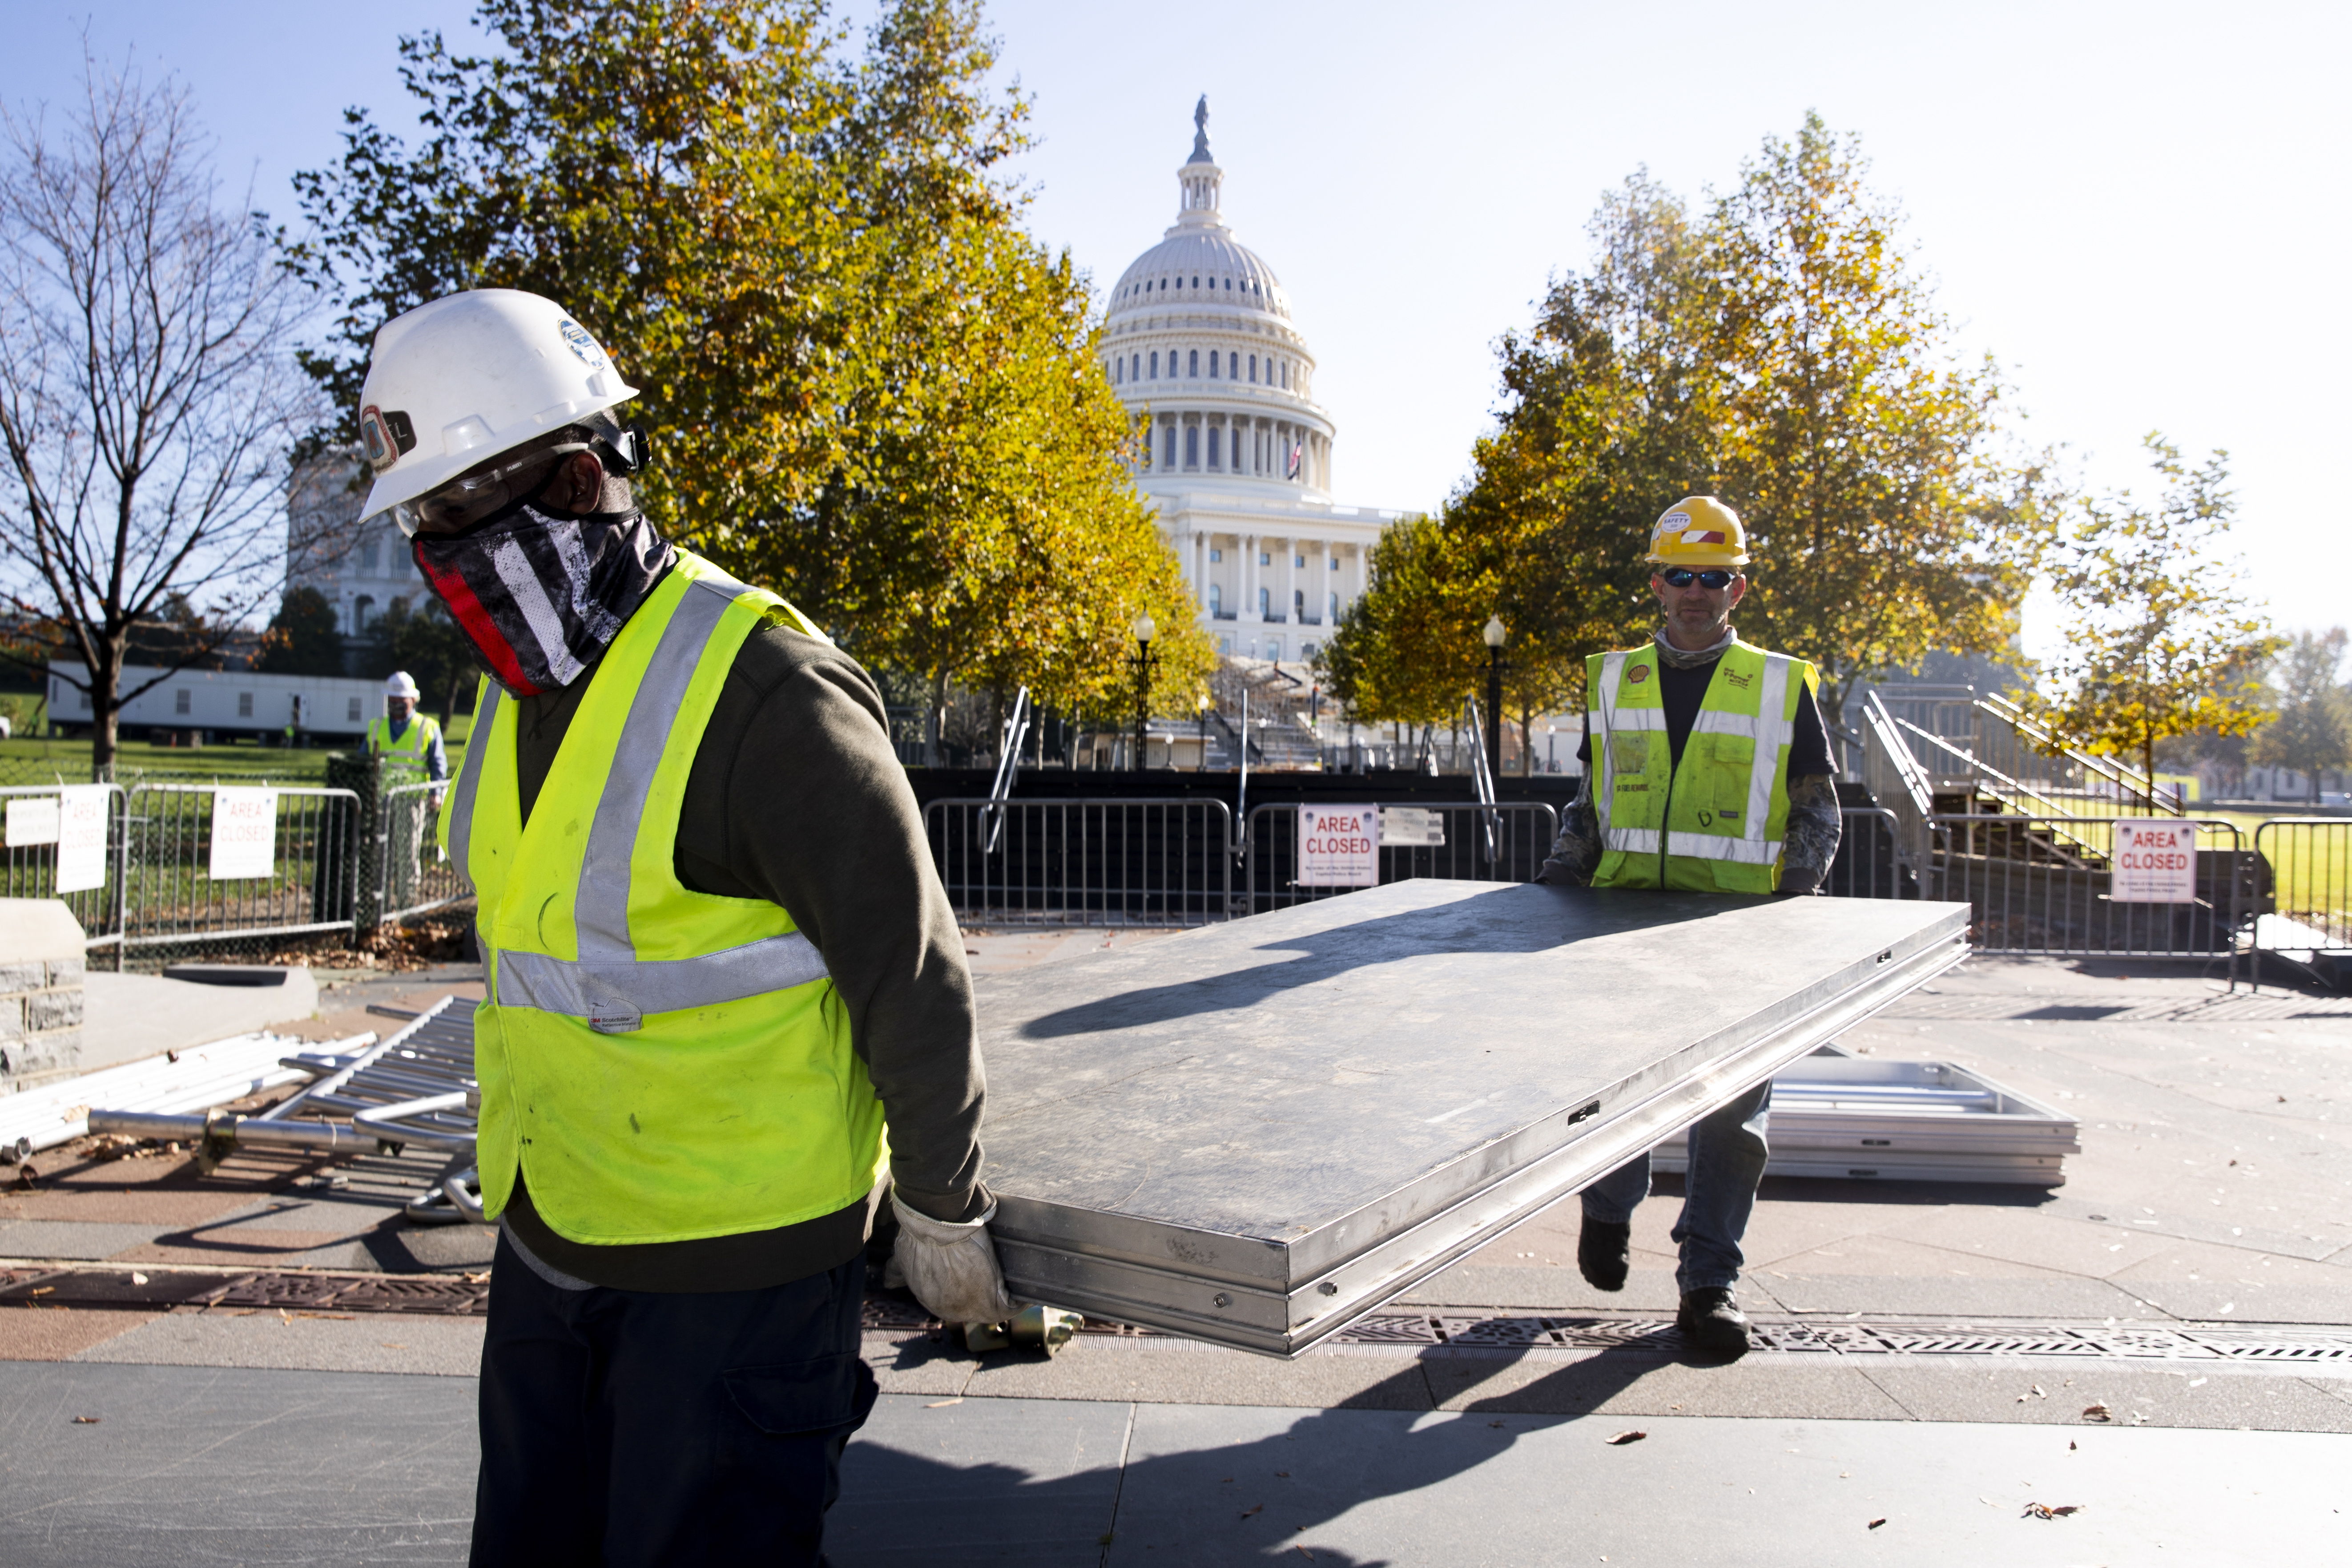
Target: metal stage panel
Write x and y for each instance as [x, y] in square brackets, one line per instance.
[1256, 1132]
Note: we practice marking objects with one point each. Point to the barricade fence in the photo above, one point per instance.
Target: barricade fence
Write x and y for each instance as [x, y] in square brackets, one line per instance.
[185, 868]
[1466, 842]
[412, 876]
[1098, 862]
[2310, 861]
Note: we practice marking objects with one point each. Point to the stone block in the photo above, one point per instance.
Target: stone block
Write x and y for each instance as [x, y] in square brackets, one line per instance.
[12, 1018]
[67, 971]
[24, 974]
[38, 928]
[46, 1010]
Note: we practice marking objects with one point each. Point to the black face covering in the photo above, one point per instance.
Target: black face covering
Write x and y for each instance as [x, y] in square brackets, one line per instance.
[542, 596]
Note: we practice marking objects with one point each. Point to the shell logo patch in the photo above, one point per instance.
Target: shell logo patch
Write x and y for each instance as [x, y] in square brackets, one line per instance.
[1638, 674]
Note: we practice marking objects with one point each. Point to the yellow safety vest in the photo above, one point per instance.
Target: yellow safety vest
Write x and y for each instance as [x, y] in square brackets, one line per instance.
[1715, 823]
[664, 1064]
[415, 743]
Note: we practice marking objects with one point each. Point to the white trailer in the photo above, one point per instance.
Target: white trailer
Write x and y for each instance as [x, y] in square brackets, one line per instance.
[221, 703]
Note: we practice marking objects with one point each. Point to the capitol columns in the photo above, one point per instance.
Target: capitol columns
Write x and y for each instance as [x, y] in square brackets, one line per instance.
[1249, 576]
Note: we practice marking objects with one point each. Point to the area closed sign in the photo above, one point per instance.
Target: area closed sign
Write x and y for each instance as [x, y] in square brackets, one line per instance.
[1338, 846]
[245, 833]
[2155, 862]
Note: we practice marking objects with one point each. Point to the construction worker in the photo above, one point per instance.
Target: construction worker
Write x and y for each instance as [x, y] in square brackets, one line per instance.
[402, 733]
[716, 955]
[1739, 799]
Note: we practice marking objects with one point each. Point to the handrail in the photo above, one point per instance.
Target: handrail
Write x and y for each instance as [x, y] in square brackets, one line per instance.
[1008, 768]
[2050, 741]
[1914, 778]
[1482, 776]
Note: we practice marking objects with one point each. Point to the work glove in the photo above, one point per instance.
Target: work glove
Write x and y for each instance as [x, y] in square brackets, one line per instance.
[951, 1266]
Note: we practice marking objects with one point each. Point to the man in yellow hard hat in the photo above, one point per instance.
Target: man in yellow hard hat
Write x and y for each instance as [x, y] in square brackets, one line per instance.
[1712, 774]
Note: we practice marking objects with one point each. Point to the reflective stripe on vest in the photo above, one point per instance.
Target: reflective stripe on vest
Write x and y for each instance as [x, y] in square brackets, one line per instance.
[458, 808]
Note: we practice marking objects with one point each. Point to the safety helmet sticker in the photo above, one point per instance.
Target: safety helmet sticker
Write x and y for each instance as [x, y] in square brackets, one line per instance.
[377, 437]
[576, 337]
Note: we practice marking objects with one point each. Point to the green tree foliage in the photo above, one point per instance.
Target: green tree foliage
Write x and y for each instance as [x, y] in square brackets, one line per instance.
[2310, 730]
[304, 638]
[1780, 352]
[2160, 639]
[423, 641]
[873, 390]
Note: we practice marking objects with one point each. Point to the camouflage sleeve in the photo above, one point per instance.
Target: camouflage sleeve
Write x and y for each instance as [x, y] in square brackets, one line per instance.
[1576, 853]
[1811, 840]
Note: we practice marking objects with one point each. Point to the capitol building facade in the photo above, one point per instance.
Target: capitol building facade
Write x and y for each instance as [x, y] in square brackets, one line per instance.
[1198, 337]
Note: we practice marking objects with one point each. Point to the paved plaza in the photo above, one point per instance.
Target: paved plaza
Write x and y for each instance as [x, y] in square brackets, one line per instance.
[2164, 1345]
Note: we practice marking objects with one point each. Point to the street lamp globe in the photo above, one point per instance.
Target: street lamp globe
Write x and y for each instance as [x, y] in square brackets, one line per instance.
[1145, 628]
[1495, 633]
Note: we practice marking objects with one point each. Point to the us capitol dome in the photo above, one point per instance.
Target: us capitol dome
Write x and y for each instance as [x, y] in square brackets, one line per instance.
[1198, 335]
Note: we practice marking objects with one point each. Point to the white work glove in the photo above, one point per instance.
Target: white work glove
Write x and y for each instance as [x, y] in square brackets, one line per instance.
[951, 1268]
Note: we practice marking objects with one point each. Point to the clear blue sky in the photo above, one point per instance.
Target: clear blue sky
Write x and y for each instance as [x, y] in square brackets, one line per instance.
[2139, 208]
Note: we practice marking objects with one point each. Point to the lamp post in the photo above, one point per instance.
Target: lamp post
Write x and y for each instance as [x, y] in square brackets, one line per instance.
[1144, 632]
[1495, 633]
[1201, 709]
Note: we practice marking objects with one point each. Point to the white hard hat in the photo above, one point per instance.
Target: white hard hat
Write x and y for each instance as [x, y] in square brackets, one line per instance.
[399, 685]
[471, 375]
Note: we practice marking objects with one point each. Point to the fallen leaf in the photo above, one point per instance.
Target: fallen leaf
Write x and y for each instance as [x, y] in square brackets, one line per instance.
[338, 1317]
[87, 1420]
[2070, 1445]
[2097, 1413]
[43, 1290]
[1247, 1511]
[939, 1404]
[1494, 1423]
[392, 1345]
[1873, 1524]
[1281, 1475]
[2044, 1510]
[1631, 1436]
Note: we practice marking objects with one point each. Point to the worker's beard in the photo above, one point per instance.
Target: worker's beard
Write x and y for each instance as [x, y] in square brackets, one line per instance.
[541, 597]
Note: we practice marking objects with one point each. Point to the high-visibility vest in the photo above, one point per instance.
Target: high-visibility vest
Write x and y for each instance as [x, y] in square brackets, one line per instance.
[1714, 823]
[415, 743]
[663, 1064]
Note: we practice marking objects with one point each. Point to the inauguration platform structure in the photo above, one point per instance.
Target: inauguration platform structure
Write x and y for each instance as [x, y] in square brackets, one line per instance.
[1256, 1132]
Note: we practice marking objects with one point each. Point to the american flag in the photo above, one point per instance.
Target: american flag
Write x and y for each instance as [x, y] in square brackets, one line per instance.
[1298, 449]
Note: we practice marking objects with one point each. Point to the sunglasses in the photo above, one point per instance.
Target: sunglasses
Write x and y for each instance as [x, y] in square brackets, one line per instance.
[1681, 576]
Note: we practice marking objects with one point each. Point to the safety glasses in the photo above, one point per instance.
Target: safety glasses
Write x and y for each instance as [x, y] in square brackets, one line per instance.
[1714, 579]
[469, 498]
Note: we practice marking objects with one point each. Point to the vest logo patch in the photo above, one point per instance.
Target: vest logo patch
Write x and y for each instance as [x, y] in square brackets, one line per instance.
[1728, 815]
[1638, 674]
[1737, 679]
[1632, 788]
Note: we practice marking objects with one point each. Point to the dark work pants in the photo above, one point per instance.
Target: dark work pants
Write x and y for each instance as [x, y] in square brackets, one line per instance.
[1727, 1151]
[626, 1427]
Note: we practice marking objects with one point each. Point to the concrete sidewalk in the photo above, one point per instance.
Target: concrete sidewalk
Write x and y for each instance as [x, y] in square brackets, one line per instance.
[174, 1465]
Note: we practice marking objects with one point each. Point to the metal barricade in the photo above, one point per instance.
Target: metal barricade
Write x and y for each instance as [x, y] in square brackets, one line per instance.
[2043, 885]
[1870, 861]
[171, 898]
[30, 869]
[2309, 861]
[412, 876]
[1524, 832]
[1151, 862]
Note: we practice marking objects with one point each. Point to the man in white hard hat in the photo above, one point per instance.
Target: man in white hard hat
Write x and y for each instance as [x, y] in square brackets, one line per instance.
[716, 953]
[402, 733]
[1712, 774]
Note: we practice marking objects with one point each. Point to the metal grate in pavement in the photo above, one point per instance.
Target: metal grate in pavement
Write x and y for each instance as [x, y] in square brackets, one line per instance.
[2282, 1345]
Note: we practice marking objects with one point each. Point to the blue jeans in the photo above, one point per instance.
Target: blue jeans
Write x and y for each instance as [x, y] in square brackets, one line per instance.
[1727, 1161]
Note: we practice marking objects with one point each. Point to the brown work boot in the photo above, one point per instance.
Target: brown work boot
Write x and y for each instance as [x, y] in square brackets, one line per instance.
[1712, 1324]
[1603, 1252]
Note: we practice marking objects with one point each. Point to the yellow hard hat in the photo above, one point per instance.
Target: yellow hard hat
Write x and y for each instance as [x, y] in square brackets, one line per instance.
[1699, 530]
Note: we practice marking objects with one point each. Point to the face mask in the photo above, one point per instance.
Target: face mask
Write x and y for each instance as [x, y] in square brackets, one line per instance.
[541, 597]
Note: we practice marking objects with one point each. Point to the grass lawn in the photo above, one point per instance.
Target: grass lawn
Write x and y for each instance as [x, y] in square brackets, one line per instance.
[40, 761]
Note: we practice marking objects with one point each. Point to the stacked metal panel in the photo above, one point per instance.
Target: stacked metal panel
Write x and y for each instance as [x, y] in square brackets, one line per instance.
[1858, 1118]
[1253, 1133]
